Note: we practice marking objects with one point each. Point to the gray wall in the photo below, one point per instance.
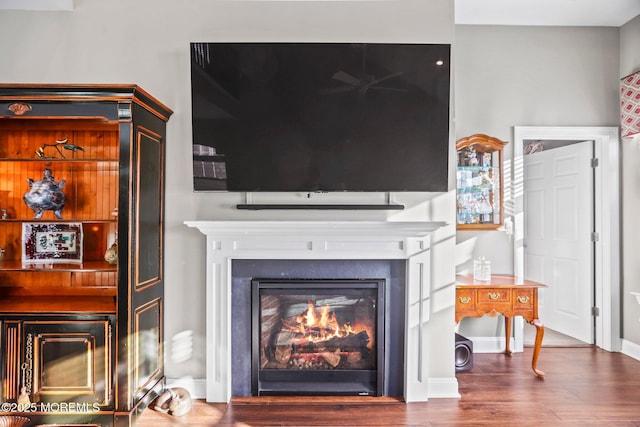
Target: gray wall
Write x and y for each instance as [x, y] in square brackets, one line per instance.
[504, 77]
[510, 76]
[146, 42]
[630, 173]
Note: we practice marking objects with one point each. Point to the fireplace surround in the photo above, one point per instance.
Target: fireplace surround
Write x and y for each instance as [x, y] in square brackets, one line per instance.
[392, 272]
[228, 241]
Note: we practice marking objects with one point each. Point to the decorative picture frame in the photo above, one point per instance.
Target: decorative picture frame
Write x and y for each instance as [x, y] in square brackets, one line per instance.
[52, 242]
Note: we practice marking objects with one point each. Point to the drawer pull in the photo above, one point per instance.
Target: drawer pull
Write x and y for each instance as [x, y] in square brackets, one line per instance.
[464, 300]
[523, 300]
[19, 109]
[494, 295]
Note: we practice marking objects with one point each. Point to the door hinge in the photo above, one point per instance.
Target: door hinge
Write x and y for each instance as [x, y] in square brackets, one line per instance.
[594, 162]
[595, 311]
[595, 236]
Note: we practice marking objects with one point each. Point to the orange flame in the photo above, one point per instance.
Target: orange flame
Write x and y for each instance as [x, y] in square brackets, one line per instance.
[317, 327]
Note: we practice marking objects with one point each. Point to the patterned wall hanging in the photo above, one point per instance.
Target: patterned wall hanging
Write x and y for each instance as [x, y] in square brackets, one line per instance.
[630, 105]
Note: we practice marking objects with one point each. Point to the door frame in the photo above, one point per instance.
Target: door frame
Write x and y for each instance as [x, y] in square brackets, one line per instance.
[606, 222]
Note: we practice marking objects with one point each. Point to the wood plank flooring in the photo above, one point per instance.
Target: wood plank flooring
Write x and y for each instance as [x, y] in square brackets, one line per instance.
[583, 387]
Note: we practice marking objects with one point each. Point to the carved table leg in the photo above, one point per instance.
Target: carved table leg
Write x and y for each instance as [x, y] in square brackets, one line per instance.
[538, 344]
[507, 333]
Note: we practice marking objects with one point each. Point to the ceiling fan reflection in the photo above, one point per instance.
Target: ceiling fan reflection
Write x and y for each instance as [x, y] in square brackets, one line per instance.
[363, 83]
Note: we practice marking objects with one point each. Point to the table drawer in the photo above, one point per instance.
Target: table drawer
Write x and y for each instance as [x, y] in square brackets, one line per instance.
[523, 298]
[495, 300]
[494, 295]
[465, 299]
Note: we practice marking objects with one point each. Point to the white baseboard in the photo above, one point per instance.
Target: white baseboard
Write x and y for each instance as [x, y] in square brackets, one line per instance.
[496, 345]
[197, 387]
[490, 344]
[631, 349]
[443, 388]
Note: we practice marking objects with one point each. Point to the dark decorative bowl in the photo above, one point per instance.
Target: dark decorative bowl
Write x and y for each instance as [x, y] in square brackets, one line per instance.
[45, 194]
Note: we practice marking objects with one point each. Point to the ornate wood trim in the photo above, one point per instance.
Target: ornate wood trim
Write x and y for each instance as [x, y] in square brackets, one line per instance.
[483, 142]
[19, 108]
[12, 375]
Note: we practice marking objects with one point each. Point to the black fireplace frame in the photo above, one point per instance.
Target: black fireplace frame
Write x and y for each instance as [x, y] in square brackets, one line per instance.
[267, 382]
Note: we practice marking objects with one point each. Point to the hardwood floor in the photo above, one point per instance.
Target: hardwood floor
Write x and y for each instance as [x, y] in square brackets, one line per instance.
[582, 387]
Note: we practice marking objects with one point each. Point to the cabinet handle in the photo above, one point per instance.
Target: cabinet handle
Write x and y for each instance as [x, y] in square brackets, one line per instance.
[494, 295]
[464, 300]
[19, 109]
[523, 300]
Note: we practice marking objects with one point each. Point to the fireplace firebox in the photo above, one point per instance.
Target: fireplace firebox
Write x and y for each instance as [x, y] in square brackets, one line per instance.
[317, 337]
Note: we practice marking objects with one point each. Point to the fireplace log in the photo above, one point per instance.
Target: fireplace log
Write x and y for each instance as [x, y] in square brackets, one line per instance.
[285, 338]
[282, 353]
[283, 346]
[355, 342]
[354, 357]
[332, 359]
[352, 342]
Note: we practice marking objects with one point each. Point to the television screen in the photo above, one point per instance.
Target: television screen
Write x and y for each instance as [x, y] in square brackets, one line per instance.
[320, 116]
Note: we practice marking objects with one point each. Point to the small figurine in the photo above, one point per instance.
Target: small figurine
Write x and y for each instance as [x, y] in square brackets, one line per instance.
[23, 398]
[111, 254]
[64, 143]
[470, 157]
[173, 401]
[45, 194]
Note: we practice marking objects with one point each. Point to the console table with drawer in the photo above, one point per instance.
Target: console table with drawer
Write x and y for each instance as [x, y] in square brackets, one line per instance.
[503, 294]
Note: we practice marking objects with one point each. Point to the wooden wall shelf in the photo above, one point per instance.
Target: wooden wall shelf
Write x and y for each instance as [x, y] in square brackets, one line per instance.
[479, 177]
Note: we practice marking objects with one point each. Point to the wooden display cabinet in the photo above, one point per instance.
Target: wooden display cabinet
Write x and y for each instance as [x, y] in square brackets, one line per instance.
[80, 338]
[479, 177]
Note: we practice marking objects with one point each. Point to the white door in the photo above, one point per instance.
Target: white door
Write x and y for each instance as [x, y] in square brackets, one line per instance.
[558, 199]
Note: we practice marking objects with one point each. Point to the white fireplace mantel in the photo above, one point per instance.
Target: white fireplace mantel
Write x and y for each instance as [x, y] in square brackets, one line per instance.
[358, 240]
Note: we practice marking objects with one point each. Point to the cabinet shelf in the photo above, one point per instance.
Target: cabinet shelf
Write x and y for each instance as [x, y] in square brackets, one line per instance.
[58, 304]
[84, 267]
[56, 160]
[83, 221]
[474, 189]
[477, 168]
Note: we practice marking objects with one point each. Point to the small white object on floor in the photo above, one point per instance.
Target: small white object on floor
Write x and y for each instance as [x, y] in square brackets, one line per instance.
[174, 401]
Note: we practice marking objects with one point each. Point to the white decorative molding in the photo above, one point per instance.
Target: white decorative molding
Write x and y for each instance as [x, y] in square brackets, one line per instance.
[492, 344]
[228, 240]
[629, 348]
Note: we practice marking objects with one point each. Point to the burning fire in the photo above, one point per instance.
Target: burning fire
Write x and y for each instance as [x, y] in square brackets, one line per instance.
[323, 325]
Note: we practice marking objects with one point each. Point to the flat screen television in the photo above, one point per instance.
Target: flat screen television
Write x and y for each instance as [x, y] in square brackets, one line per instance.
[318, 117]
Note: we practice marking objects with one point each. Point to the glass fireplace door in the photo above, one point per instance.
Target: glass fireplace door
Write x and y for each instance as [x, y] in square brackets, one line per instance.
[317, 337]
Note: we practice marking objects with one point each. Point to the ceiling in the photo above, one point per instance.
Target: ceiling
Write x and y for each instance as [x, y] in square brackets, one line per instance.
[36, 4]
[607, 13]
